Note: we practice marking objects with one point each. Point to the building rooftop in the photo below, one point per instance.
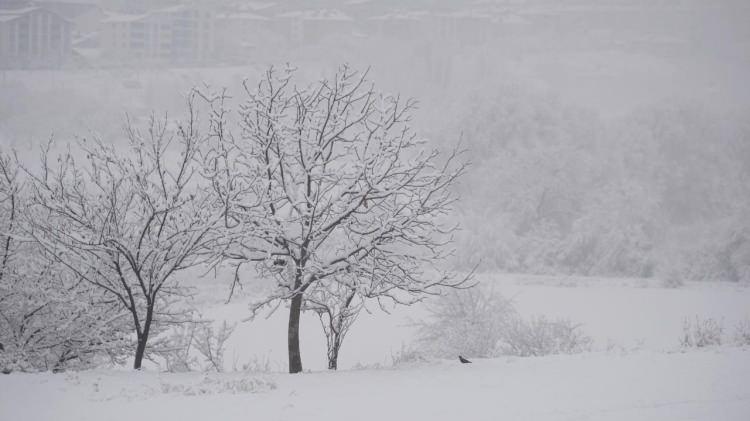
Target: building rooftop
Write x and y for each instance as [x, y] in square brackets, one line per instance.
[21, 11]
[321, 14]
[257, 5]
[241, 16]
[122, 18]
[7, 15]
[8, 18]
[404, 15]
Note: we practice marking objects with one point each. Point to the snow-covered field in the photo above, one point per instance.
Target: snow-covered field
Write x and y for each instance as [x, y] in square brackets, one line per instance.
[617, 314]
[703, 385]
[636, 371]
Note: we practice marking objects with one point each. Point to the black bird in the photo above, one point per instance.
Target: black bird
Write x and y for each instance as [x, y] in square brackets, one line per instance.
[463, 360]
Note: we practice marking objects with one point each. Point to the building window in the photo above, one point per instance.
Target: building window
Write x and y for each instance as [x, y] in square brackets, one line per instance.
[23, 36]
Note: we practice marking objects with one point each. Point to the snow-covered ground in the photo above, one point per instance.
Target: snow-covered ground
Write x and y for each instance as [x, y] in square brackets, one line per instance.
[616, 313]
[636, 372]
[700, 385]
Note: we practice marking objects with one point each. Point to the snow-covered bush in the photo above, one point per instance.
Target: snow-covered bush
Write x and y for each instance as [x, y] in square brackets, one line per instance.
[672, 279]
[407, 355]
[213, 386]
[701, 332]
[255, 364]
[193, 346]
[541, 336]
[211, 343]
[469, 322]
[54, 323]
[175, 349]
[716, 251]
[482, 323]
[742, 333]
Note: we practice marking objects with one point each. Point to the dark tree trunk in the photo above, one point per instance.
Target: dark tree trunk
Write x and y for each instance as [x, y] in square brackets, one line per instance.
[333, 357]
[295, 358]
[140, 350]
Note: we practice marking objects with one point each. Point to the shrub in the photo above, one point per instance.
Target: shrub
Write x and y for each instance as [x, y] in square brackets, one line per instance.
[176, 349]
[541, 336]
[701, 333]
[481, 323]
[407, 355]
[214, 386]
[742, 333]
[180, 350]
[469, 322]
[256, 364]
[211, 344]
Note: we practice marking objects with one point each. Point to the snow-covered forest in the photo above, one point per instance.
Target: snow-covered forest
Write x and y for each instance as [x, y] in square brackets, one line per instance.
[531, 209]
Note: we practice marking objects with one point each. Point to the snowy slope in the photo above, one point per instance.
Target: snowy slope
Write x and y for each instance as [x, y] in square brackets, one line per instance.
[700, 385]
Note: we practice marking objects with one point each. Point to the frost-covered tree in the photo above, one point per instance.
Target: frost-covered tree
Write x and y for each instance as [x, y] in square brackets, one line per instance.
[129, 220]
[337, 305]
[327, 183]
[48, 318]
[659, 192]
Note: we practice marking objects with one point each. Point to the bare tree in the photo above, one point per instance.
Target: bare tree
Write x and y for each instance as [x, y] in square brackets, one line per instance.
[337, 305]
[211, 343]
[326, 180]
[9, 198]
[199, 336]
[128, 221]
[48, 318]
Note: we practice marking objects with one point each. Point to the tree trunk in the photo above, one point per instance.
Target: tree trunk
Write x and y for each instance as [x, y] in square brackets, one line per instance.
[295, 358]
[140, 350]
[333, 357]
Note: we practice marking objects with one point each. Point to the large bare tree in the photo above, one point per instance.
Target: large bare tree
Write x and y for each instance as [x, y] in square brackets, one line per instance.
[128, 220]
[328, 183]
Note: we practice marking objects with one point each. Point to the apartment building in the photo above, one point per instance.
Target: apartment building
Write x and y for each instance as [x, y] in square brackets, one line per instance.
[169, 36]
[33, 37]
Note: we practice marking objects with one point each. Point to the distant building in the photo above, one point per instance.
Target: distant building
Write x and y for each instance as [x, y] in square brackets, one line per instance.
[174, 35]
[466, 27]
[405, 25]
[311, 26]
[242, 35]
[86, 15]
[33, 37]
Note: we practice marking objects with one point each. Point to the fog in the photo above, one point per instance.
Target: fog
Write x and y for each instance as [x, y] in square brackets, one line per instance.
[606, 137]
[510, 209]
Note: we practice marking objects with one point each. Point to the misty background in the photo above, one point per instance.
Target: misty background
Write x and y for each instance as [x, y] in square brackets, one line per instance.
[607, 138]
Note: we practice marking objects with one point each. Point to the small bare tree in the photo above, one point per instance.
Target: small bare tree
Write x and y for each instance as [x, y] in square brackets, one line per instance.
[211, 343]
[330, 180]
[176, 351]
[337, 305]
[128, 221]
